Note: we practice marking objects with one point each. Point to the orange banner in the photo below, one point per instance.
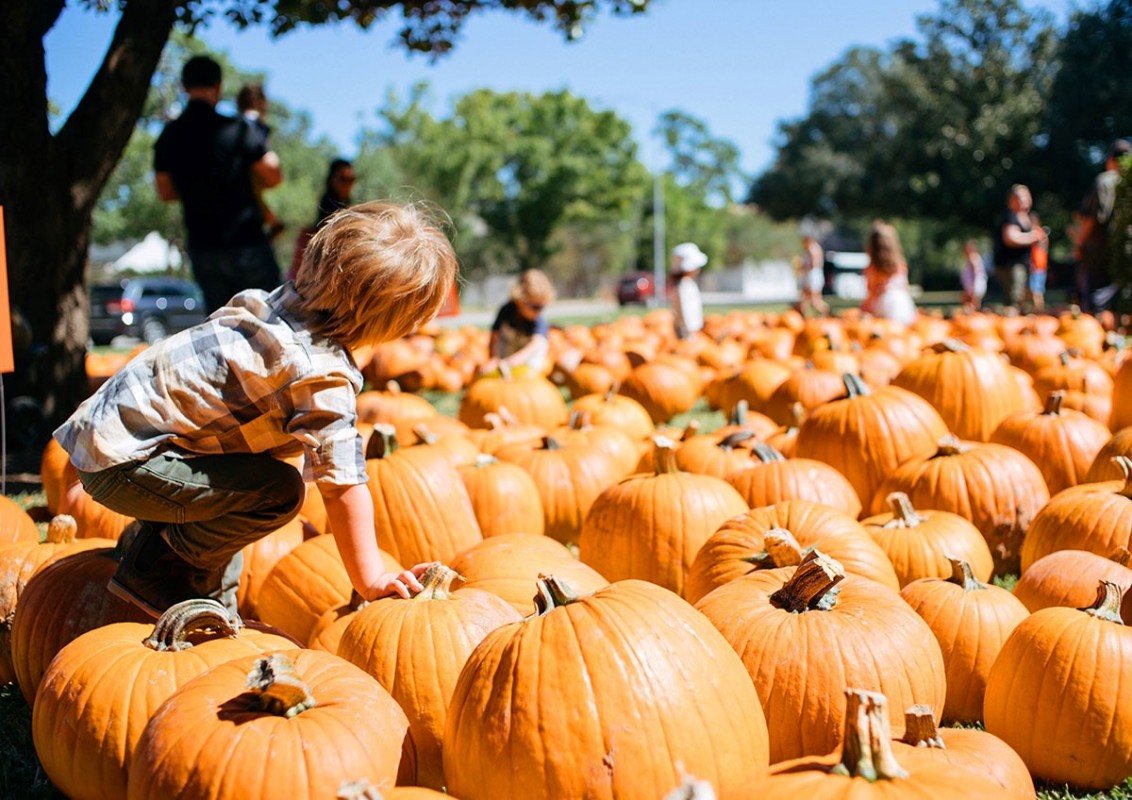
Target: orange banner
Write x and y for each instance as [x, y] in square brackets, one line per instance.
[7, 362]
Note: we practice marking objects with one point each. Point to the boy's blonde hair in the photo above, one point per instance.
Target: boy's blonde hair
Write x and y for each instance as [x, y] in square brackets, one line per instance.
[375, 272]
[533, 287]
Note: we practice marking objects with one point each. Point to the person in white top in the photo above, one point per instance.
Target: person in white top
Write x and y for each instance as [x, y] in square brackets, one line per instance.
[886, 276]
[811, 277]
[687, 261]
[973, 277]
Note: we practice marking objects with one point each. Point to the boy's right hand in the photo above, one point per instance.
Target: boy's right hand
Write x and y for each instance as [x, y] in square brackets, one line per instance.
[404, 584]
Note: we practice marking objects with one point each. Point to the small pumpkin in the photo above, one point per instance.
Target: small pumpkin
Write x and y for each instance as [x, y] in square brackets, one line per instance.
[923, 544]
[970, 620]
[768, 478]
[865, 766]
[504, 497]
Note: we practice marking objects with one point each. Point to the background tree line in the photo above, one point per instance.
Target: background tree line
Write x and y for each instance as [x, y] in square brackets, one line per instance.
[933, 131]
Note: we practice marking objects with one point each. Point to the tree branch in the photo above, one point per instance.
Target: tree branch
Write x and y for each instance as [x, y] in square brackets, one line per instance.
[91, 141]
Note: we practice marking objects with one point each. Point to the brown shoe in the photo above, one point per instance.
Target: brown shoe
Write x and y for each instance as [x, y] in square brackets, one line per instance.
[153, 577]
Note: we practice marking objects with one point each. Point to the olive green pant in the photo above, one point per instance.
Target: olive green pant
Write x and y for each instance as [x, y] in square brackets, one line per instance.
[213, 506]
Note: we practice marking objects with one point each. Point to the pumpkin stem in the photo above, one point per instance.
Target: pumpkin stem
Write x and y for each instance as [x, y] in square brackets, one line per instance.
[664, 456]
[903, 514]
[1107, 604]
[358, 790]
[507, 416]
[797, 416]
[1053, 403]
[382, 442]
[950, 345]
[782, 550]
[578, 420]
[61, 529]
[485, 460]
[920, 729]
[437, 581]
[1122, 556]
[201, 615]
[738, 414]
[854, 385]
[963, 575]
[552, 592]
[392, 387]
[733, 440]
[766, 453]
[612, 391]
[812, 586]
[424, 434]
[550, 443]
[690, 430]
[950, 445]
[692, 789]
[356, 601]
[867, 749]
[1124, 464]
[277, 687]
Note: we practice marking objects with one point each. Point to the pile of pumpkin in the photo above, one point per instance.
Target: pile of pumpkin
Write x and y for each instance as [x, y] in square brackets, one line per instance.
[797, 600]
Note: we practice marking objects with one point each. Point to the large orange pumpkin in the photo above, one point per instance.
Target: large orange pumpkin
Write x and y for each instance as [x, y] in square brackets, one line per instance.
[422, 511]
[19, 561]
[16, 525]
[972, 390]
[1069, 578]
[618, 411]
[996, 488]
[970, 620]
[569, 478]
[1058, 693]
[532, 399]
[101, 689]
[650, 526]
[663, 389]
[327, 723]
[260, 557]
[504, 497]
[1122, 396]
[416, 648]
[866, 435]
[1103, 467]
[804, 645]
[609, 695]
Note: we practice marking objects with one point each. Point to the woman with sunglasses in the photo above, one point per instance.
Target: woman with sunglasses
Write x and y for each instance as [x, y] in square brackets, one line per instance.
[339, 184]
[519, 334]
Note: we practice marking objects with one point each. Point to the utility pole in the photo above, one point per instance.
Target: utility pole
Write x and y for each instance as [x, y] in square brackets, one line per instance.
[659, 259]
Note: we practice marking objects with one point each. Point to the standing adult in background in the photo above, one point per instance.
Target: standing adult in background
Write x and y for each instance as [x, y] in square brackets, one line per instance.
[811, 276]
[336, 195]
[688, 304]
[1092, 234]
[251, 102]
[208, 161]
[886, 276]
[1013, 245]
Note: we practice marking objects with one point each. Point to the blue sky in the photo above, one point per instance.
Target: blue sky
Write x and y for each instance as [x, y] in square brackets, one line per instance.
[742, 66]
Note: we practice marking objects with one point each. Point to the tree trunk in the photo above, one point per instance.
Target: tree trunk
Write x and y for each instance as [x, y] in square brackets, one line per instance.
[49, 185]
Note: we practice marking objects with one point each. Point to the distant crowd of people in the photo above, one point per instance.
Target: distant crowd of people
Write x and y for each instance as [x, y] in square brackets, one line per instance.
[1020, 257]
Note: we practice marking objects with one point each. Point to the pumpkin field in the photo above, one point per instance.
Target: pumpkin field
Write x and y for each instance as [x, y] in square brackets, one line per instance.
[784, 557]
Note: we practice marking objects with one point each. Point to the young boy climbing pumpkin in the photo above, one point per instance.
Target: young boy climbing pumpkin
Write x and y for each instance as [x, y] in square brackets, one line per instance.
[188, 437]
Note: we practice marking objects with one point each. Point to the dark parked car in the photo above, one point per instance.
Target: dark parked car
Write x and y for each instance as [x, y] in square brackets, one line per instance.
[635, 287]
[144, 308]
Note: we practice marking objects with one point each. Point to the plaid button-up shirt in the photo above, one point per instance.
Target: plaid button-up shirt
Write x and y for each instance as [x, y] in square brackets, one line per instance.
[250, 379]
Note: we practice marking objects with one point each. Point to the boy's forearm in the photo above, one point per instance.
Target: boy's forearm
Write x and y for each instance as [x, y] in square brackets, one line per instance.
[351, 518]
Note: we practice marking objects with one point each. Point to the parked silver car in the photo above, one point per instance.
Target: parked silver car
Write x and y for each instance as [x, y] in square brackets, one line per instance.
[144, 308]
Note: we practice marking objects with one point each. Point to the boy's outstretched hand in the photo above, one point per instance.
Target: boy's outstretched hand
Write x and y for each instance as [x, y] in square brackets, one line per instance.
[405, 584]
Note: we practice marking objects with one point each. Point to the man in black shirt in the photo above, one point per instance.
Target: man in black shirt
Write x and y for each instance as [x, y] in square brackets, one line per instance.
[207, 161]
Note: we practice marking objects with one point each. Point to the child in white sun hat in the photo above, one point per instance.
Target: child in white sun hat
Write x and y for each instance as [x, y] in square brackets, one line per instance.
[687, 261]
